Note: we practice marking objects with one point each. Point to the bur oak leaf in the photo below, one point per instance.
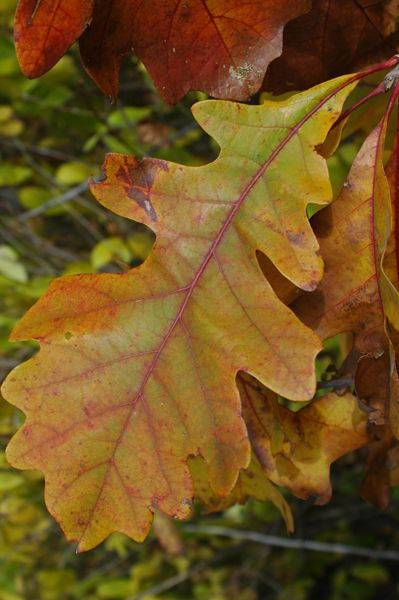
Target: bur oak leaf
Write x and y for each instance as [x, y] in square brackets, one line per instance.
[356, 294]
[136, 371]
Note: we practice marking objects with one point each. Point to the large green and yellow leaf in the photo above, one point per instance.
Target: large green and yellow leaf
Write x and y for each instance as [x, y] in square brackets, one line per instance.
[137, 371]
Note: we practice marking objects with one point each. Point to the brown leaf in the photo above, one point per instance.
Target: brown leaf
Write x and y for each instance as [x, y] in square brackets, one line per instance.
[168, 534]
[376, 484]
[222, 47]
[335, 37]
[356, 294]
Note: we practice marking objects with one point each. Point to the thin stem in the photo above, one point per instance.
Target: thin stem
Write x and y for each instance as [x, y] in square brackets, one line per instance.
[296, 544]
[336, 384]
[395, 196]
[380, 89]
[388, 82]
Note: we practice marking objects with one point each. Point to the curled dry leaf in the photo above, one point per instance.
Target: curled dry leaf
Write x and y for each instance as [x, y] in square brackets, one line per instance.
[44, 30]
[379, 468]
[137, 371]
[335, 37]
[296, 449]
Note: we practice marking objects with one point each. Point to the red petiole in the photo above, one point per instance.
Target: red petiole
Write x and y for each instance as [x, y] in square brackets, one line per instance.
[380, 89]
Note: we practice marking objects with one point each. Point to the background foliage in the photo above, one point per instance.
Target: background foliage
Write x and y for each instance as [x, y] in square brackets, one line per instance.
[54, 133]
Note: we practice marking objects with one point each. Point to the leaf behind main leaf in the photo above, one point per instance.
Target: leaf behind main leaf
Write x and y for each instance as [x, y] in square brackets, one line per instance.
[251, 483]
[296, 449]
[136, 372]
[335, 37]
[356, 295]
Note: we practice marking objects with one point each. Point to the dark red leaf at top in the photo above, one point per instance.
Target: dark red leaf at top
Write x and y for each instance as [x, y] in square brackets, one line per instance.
[335, 37]
[222, 47]
[45, 29]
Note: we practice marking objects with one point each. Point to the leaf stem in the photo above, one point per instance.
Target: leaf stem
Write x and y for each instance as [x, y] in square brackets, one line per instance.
[395, 196]
[380, 89]
[386, 84]
[293, 543]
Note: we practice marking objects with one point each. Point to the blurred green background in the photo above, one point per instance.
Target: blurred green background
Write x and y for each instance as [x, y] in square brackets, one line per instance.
[54, 133]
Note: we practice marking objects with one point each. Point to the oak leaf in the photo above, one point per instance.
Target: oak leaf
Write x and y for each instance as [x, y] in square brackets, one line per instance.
[44, 30]
[136, 371]
[222, 47]
[374, 386]
[335, 37]
[290, 449]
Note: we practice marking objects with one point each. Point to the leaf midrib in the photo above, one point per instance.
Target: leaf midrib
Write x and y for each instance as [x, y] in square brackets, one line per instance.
[191, 287]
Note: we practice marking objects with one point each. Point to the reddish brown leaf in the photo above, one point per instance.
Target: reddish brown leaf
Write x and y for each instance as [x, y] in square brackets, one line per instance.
[356, 295]
[45, 29]
[373, 385]
[222, 47]
[335, 37]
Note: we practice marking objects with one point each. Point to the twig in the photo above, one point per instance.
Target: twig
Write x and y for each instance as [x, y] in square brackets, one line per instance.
[336, 384]
[8, 363]
[297, 544]
[166, 585]
[71, 194]
[30, 148]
